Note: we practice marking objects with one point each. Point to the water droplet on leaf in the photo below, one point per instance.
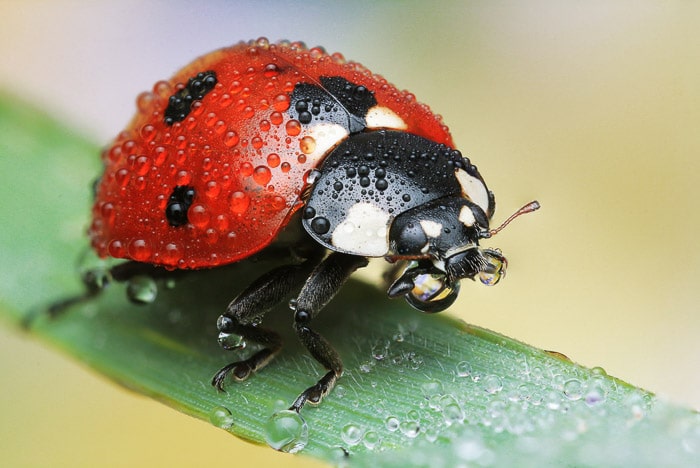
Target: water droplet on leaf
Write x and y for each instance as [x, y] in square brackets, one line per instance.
[142, 290]
[287, 431]
[221, 417]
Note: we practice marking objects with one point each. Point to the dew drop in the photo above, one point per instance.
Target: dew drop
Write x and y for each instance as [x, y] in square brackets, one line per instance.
[495, 268]
[371, 440]
[276, 118]
[160, 155]
[171, 254]
[553, 400]
[392, 423]
[380, 350]
[431, 434]
[262, 175]
[278, 203]
[212, 189]
[573, 389]
[320, 225]
[451, 410]
[231, 341]
[311, 176]
[221, 417]
[410, 429]
[122, 177]
[271, 70]
[464, 369]
[286, 431]
[139, 250]
[293, 127]
[273, 160]
[239, 202]
[141, 289]
[231, 139]
[144, 101]
[431, 388]
[248, 112]
[281, 102]
[492, 384]
[199, 216]
[116, 249]
[351, 434]
[307, 145]
[246, 169]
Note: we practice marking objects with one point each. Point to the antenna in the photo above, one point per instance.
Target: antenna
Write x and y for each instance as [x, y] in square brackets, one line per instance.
[529, 208]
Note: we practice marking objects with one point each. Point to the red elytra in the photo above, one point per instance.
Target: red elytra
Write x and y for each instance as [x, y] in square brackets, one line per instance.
[238, 147]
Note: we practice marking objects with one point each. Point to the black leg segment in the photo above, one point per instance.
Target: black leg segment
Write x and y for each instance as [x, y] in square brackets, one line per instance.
[319, 289]
[245, 312]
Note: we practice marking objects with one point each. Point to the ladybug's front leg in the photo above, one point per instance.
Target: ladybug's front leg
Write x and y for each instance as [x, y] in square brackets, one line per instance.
[319, 289]
[245, 312]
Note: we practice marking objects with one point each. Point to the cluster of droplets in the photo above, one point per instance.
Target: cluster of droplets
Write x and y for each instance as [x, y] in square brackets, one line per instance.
[532, 401]
[520, 401]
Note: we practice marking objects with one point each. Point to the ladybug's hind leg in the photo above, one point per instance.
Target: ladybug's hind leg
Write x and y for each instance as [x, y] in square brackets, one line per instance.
[319, 289]
[246, 311]
[95, 281]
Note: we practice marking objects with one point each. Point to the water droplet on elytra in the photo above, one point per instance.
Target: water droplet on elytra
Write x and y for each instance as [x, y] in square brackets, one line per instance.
[307, 145]
[262, 175]
[239, 202]
[287, 431]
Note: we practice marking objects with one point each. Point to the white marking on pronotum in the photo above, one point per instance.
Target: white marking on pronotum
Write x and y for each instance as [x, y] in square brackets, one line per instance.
[326, 137]
[383, 117]
[466, 216]
[431, 228]
[363, 232]
[474, 189]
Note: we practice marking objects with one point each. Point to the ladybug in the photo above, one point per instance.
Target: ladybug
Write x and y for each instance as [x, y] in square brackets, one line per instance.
[262, 138]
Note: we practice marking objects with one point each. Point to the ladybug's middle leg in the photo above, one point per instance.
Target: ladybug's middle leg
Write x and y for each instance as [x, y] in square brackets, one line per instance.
[319, 289]
[245, 312]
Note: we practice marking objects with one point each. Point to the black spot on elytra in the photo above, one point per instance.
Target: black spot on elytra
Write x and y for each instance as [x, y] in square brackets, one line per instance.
[178, 203]
[180, 103]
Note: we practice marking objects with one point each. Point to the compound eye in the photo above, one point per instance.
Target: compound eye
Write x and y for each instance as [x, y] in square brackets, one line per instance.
[432, 293]
[495, 267]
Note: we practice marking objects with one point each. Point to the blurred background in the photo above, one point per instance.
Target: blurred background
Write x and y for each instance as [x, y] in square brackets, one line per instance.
[590, 107]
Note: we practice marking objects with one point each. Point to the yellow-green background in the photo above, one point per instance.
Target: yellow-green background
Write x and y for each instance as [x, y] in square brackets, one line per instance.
[591, 107]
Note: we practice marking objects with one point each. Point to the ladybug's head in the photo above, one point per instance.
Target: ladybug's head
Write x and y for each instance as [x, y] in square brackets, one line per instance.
[441, 239]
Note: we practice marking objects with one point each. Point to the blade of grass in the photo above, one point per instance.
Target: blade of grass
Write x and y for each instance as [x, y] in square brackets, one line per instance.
[418, 390]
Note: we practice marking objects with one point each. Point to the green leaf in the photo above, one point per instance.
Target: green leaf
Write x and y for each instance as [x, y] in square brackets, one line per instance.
[417, 389]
